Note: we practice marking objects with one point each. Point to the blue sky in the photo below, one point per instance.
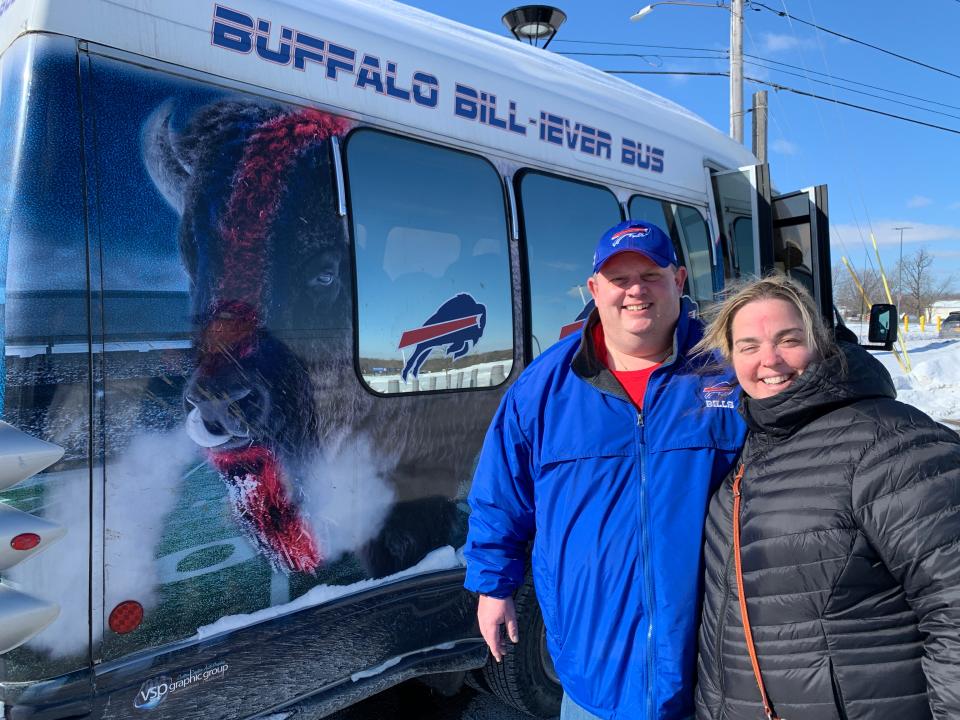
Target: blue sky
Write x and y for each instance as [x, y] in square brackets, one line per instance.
[882, 173]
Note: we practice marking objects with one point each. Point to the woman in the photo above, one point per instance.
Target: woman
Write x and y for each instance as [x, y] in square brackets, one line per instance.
[848, 519]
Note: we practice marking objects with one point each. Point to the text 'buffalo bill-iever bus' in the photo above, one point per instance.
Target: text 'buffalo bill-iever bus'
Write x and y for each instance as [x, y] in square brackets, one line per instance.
[267, 269]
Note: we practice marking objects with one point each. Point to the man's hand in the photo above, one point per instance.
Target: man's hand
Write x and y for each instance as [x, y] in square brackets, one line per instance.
[491, 614]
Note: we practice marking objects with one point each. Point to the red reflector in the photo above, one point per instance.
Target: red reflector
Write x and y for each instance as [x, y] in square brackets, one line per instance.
[126, 617]
[25, 541]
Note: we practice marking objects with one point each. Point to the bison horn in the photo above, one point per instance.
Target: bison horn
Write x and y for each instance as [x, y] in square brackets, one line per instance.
[167, 169]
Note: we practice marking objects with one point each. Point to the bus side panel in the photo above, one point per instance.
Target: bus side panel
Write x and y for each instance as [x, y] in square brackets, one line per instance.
[248, 470]
[46, 339]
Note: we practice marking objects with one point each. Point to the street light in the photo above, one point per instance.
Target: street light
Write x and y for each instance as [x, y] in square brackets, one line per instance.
[534, 23]
[736, 55]
[900, 272]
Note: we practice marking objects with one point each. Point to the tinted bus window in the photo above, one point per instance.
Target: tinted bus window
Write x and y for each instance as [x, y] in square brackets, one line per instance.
[562, 221]
[691, 240]
[434, 300]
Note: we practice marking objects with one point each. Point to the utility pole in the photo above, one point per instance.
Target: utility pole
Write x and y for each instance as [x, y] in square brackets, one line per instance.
[900, 266]
[736, 70]
[760, 125]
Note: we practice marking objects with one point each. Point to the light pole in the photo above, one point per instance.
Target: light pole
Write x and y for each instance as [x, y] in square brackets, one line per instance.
[900, 269]
[736, 55]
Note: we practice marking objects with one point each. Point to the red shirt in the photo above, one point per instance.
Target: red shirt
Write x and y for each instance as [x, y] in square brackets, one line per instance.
[633, 381]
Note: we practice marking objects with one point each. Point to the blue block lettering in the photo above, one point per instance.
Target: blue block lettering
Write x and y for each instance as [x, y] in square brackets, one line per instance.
[426, 89]
[232, 30]
[306, 47]
[466, 103]
[339, 58]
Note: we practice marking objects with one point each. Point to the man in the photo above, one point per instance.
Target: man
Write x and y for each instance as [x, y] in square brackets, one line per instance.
[604, 453]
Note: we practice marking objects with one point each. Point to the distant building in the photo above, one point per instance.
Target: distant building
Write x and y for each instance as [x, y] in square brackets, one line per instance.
[942, 308]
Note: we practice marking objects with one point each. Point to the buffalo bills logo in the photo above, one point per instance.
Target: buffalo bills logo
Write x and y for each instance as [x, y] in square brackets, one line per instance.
[635, 231]
[576, 325]
[719, 395]
[454, 329]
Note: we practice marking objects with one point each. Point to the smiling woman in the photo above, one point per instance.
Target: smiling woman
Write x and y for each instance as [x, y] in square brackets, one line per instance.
[770, 349]
[841, 522]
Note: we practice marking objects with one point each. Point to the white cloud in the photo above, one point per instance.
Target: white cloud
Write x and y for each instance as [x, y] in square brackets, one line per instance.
[919, 201]
[955, 206]
[784, 147]
[886, 234]
[774, 42]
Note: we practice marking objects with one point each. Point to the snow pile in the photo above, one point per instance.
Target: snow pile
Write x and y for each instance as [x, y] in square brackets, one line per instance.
[933, 384]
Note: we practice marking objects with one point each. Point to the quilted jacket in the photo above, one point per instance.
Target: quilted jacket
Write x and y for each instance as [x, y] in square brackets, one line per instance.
[850, 533]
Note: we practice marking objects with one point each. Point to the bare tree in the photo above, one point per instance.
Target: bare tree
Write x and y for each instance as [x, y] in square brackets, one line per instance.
[921, 285]
[846, 295]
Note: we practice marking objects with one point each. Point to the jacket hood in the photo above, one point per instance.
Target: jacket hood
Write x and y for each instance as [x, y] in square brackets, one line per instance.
[823, 386]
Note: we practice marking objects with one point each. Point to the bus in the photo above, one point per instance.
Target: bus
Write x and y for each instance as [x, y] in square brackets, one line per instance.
[267, 270]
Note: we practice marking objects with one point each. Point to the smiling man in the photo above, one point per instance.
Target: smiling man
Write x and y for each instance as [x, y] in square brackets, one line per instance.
[604, 453]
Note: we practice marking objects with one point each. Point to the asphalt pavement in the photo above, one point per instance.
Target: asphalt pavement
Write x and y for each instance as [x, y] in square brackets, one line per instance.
[414, 701]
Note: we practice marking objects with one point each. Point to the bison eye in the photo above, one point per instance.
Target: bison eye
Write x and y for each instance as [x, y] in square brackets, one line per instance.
[323, 279]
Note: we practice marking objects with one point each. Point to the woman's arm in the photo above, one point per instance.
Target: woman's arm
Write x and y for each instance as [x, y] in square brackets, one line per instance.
[906, 498]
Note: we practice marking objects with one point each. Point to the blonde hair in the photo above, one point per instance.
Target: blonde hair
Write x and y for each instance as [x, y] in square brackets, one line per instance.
[718, 335]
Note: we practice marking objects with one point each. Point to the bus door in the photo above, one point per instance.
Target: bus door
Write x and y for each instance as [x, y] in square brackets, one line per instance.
[800, 240]
[742, 204]
[760, 231]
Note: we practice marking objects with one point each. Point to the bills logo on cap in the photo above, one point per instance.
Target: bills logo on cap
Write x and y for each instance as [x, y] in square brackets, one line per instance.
[571, 328]
[719, 395]
[636, 231]
[454, 329]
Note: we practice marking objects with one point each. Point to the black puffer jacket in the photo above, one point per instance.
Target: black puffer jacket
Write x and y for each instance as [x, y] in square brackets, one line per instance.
[850, 533]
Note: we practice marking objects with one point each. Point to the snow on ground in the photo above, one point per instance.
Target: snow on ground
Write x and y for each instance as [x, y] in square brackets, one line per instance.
[933, 382]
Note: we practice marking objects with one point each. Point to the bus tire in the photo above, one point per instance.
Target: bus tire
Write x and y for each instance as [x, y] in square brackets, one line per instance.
[525, 679]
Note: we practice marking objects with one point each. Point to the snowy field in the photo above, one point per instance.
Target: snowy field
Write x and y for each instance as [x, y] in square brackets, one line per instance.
[933, 382]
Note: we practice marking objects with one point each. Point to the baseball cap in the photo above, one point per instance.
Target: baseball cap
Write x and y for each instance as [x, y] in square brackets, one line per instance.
[635, 236]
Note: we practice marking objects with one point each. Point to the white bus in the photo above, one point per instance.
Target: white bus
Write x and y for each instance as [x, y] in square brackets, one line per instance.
[267, 269]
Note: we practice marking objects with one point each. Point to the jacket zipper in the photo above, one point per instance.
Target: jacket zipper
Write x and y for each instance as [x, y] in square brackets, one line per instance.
[647, 575]
[722, 625]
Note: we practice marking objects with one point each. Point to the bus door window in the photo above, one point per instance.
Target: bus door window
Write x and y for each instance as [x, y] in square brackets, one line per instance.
[742, 201]
[562, 220]
[691, 240]
[800, 241]
[435, 308]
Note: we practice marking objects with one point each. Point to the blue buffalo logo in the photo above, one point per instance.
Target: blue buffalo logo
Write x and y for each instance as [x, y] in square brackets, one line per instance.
[454, 329]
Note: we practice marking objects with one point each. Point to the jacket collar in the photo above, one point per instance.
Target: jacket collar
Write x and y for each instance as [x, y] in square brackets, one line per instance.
[586, 364]
[823, 386]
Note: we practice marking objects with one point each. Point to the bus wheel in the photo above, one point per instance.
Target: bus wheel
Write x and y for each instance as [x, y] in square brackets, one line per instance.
[526, 678]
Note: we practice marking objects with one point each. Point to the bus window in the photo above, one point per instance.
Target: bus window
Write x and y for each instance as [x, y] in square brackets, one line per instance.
[690, 236]
[696, 238]
[743, 244]
[562, 220]
[433, 266]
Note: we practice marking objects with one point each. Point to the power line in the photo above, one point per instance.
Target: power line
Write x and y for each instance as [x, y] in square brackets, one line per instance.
[784, 13]
[630, 44]
[761, 58]
[797, 91]
[853, 90]
[787, 88]
[853, 82]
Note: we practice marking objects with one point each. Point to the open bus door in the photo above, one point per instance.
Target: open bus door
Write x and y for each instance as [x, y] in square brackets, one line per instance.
[760, 232]
[800, 240]
[742, 204]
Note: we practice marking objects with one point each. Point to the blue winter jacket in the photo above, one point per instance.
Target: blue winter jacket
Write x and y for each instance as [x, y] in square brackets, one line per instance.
[614, 501]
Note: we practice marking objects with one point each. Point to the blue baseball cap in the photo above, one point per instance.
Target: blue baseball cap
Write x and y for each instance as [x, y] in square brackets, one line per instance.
[635, 236]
